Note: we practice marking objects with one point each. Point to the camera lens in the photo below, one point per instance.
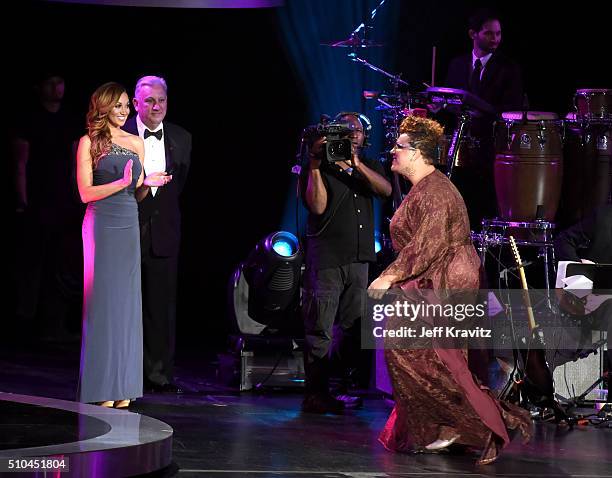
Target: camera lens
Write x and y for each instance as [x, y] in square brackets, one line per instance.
[338, 148]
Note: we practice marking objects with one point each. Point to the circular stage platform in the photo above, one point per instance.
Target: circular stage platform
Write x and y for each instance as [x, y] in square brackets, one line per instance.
[87, 440]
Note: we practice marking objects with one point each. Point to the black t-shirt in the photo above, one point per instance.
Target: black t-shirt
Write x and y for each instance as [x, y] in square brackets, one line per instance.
[344, 232]
[50, 170]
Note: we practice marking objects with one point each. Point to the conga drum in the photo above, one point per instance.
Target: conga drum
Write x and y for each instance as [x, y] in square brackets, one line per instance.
[593, 104]
[587, 154]
[528, 165]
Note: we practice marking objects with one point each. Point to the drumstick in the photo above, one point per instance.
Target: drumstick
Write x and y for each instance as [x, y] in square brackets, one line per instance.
[433, 67]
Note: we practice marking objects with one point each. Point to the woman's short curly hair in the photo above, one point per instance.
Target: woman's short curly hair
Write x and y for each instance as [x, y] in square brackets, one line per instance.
[425, 134]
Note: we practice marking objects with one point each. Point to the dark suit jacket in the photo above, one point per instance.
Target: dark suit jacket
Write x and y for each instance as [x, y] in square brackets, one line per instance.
[501, 85]
[160, 215]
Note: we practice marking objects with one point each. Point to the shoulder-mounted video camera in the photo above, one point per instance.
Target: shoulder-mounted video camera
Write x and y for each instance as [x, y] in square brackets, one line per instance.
[339, 146]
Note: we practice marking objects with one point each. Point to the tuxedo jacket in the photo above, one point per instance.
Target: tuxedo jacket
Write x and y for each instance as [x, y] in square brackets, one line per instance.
[501, 84]
[160, 215]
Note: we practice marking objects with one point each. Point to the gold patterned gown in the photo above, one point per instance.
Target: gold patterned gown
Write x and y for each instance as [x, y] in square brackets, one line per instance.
[436, 396]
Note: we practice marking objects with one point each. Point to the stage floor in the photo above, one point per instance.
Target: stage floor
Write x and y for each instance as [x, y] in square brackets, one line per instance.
[219, 433]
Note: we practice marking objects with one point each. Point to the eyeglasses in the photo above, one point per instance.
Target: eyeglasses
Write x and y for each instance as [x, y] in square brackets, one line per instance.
[401, 146]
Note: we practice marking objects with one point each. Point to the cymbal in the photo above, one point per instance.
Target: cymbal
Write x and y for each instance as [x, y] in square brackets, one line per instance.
[388, 107]
[353, 42]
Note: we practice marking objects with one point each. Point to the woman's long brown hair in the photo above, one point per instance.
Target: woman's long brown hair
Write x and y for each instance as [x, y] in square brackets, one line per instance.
[102, 101]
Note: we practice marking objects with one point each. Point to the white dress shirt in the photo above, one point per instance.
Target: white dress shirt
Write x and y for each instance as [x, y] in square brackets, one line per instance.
[155, 151]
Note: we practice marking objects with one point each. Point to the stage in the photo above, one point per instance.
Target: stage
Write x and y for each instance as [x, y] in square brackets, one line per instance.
[79, 439]
[215, 431]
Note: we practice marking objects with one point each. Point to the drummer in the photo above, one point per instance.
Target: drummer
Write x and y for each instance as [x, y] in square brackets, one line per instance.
[496, 79]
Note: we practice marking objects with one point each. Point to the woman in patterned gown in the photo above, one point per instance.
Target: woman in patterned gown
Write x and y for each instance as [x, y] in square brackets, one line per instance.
[110, 178]
[437, 400]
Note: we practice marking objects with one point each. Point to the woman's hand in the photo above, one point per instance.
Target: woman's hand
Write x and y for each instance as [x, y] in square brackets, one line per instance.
[157, 179]
[379, 286]
[126, 180]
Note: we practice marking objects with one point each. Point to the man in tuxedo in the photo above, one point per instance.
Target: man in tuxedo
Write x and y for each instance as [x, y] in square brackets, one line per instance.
[167, 148]
[496, 79]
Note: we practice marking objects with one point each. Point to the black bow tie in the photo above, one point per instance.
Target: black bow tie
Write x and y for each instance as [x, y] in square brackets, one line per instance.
[158, 134]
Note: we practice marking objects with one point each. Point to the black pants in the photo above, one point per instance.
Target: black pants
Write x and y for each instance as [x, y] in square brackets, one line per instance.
[49, 275]
[334, 296]
[159, 277]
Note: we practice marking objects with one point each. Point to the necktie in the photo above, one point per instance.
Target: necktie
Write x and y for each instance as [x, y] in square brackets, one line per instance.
[475, 79]
[158, 134]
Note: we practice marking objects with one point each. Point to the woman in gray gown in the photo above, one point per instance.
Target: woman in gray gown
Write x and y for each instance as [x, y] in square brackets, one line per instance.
[110, 179]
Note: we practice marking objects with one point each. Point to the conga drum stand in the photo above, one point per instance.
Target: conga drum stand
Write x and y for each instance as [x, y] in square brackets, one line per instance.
[538, 234]
[463, 104]
[458, 135]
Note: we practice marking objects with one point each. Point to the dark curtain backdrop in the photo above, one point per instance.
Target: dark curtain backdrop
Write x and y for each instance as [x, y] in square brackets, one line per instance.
[330, 80]
[245, 83]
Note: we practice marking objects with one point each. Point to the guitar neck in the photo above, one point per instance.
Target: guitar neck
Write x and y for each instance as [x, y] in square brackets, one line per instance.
[527, 300]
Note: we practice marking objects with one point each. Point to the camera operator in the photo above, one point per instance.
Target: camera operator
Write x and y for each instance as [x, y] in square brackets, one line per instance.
[338, 195]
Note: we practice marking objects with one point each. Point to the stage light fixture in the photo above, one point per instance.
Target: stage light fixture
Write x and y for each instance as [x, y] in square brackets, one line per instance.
[264, 290]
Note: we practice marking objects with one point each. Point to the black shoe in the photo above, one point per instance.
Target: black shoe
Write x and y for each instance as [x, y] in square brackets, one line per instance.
[350, 401]
[322, 404]
[165, 388]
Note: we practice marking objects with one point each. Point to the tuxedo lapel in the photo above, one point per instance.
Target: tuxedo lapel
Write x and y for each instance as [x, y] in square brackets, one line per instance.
[170, 146]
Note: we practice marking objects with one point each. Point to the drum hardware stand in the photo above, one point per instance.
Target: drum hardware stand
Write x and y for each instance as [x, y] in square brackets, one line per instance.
[484, 241]
[392, 130]
[395, 79]
[543, 253]
[581, 400]
[487, 238]
[512, 389]
[356, 41]
[458, 136]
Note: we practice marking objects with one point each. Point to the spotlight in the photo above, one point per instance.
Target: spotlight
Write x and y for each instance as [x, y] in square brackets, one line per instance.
[264, 291]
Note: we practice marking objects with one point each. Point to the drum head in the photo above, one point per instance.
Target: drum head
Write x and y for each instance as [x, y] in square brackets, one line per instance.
[593, 91]
[444, 90]
[530, 115]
